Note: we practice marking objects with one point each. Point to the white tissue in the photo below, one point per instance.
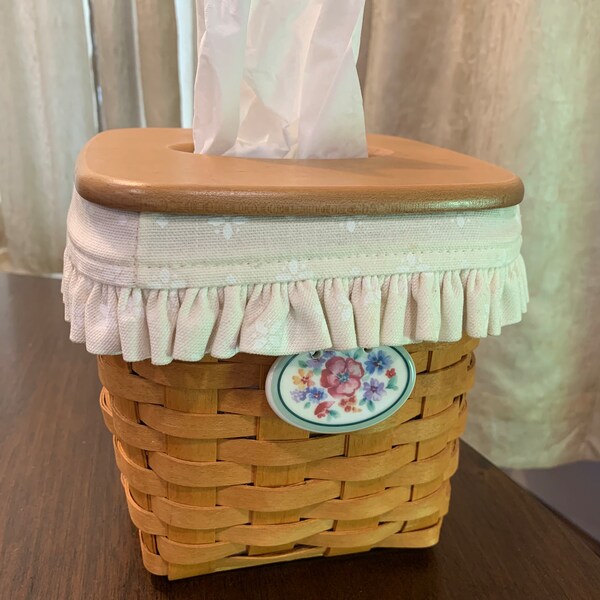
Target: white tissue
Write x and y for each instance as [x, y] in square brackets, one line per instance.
[278, 79]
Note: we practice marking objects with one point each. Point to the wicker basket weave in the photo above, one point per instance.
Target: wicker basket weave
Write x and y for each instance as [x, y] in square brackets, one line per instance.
[214, 480]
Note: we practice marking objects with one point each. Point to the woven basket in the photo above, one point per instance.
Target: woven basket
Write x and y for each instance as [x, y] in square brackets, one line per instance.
[214, 480]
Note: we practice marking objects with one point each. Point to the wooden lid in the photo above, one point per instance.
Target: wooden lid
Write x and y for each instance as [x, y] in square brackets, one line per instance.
[155, 170]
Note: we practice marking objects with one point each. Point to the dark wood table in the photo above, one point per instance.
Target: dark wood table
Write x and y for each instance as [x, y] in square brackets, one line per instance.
[66, 534]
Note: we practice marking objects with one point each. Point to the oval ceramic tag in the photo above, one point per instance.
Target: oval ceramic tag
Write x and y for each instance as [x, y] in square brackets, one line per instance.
[340, 391]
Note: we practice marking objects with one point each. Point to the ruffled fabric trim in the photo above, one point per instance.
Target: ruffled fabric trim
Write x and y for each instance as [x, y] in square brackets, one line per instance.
[290, 317]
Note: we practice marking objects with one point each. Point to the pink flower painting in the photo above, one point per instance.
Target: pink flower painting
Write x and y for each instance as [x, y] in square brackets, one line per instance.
[342, 376]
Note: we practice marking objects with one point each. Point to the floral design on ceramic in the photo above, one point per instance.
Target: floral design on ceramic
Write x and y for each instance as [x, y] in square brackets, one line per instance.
[303, 379]
[332, 383]
[341, 376]
[378, 361]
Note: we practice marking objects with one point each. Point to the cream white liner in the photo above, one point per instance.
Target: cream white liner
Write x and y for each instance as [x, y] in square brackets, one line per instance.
[169, 287]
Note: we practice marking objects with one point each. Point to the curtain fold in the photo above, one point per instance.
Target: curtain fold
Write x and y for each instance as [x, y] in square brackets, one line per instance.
[117, 65]
[185, 13]
[157, 47]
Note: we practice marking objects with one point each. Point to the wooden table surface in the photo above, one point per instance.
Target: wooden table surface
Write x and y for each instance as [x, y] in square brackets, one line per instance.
[65, 532]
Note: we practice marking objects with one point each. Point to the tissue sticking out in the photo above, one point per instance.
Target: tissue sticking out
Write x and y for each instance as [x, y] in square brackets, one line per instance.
[278, 79]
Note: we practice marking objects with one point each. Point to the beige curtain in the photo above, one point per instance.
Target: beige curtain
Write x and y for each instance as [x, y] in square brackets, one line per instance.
[46, 114]
[68, 70]
[513, 81]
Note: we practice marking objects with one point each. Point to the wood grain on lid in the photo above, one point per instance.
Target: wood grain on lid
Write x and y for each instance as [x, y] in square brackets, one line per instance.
[155, 170]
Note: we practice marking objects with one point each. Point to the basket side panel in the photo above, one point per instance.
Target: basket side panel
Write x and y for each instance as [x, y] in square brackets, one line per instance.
[214, 480]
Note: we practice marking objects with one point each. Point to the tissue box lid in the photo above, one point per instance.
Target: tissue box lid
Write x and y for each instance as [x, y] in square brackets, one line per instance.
[155, 170]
